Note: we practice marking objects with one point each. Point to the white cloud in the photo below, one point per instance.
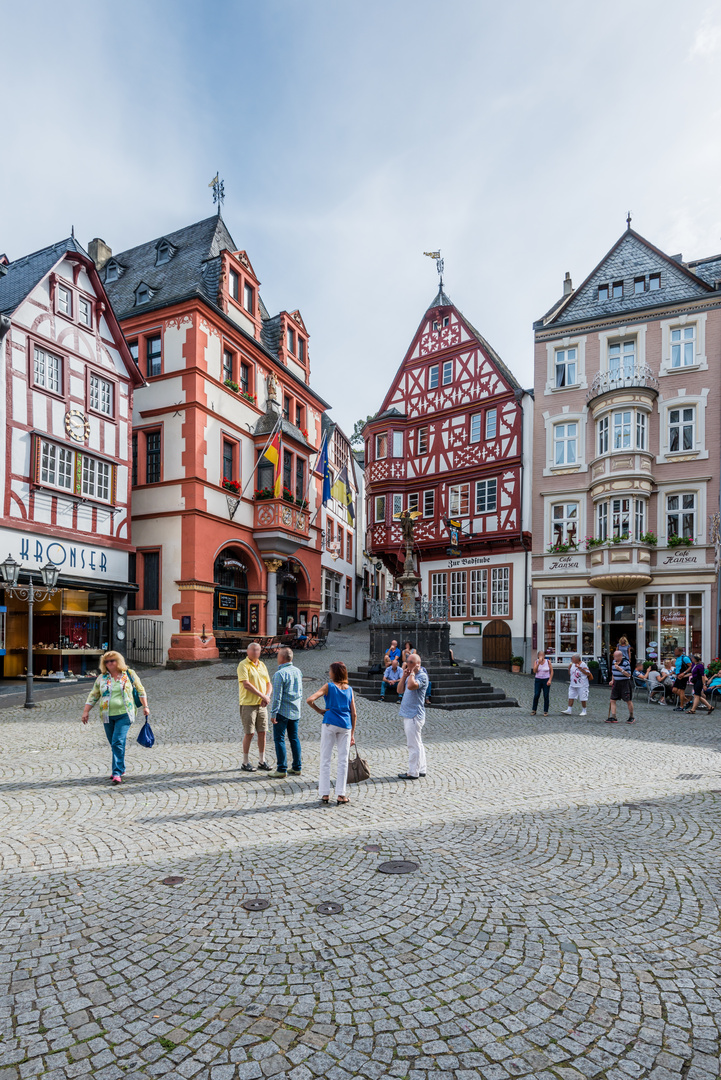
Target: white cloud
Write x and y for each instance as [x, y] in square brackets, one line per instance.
[708, 38]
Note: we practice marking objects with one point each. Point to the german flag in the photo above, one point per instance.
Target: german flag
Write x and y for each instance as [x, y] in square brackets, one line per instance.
[273, 454]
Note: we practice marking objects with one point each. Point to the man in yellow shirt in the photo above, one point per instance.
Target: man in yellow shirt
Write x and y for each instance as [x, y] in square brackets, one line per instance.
[254, 692]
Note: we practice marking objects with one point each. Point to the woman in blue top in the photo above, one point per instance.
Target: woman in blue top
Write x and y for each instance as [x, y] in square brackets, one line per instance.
[338, 730]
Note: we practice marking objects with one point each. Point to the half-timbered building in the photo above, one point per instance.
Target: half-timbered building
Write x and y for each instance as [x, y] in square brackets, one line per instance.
[448, 444]
[66, 411]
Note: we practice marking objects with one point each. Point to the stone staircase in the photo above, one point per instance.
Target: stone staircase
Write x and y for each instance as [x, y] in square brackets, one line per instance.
[452, 688]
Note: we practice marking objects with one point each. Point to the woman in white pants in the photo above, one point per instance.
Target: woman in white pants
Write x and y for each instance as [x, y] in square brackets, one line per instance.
[338, 730]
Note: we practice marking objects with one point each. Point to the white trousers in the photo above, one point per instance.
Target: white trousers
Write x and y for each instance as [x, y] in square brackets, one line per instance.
[416, 749]
[332, 736]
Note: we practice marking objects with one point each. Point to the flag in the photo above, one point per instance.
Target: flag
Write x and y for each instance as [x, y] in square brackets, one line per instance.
[341, 491]
[273, 454]
[322, 469]
[214, 180]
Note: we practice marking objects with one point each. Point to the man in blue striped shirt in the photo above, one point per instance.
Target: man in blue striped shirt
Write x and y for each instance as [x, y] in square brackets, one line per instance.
[285, 713]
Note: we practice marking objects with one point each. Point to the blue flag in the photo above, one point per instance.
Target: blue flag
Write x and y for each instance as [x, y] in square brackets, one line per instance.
[323, 469]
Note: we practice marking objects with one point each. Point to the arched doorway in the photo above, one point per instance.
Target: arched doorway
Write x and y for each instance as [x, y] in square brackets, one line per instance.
[230, 603]
[497, 648]
[287, 592]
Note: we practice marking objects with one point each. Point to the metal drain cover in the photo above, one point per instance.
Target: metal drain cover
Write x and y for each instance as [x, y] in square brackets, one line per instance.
[173, 880]
[371, 847]
[398, 866]
[255, 905]
[329, 909]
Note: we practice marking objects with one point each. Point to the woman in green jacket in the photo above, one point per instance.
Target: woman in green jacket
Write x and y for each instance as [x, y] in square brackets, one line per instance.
[113, 688]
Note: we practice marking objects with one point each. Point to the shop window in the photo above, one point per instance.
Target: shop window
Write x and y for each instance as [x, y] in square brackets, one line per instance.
[674, 620]
[152, 457]
[151, 580]
[478, 594]
[458, 595]
[153, 355]
[568, 627]
[500, 590]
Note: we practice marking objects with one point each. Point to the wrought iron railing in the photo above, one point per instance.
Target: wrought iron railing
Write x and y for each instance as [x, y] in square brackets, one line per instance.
[424, 610]
[639, 375]
[145, 641]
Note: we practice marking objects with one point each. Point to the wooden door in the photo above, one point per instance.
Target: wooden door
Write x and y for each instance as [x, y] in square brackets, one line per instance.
[497, 649]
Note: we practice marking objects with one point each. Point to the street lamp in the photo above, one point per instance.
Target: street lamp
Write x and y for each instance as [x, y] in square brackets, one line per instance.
[10, 572]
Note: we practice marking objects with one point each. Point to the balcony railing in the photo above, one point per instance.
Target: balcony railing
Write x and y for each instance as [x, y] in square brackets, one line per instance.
[624, 378]
[387, 612]
[271, 514]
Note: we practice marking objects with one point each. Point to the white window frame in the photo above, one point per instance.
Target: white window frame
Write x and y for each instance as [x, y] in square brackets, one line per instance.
[683, 401]
[433, 375]
[457, 601]
[397, 505]
[65, 300]
[474, 431]
[57, 466]
[379, 519]
[439, 586]
[562, 363]
[101, 394]
[487, 493]
[602, 435]
[429, 503]
[397, 444]
[565, 416]
[413, 502]
[49, 376]
[571, 516]
[447, 373]
[563, 344]
[682, 511]
[500, 591]
[379, 436]
[85, 305]
[565, 439]
[698, 321]
[601, 522]
[620, 334]
[425, 449]
[478, 594]
[680, 424]
[491, 424]
[457, 494]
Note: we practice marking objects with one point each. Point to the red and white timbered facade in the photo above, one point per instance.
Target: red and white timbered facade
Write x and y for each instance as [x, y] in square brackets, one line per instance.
[448, 443]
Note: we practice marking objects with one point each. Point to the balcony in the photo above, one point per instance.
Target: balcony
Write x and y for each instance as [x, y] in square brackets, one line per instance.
[638, 377]
[620, 567]
[280, 527]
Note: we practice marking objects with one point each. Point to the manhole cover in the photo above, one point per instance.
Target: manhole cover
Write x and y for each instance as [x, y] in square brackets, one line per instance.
[372, 847]
[688, 776]
[228, 677]
[255, 905]
[631, 805]
[329, 909]
[398, 866]
[173, 880]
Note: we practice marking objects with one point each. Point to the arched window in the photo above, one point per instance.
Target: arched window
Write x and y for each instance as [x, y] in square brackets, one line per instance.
[230, 609]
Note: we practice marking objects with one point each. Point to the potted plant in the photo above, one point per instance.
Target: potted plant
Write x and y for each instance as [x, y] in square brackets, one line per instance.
[263, 493]
[248, 396]
[231, 485]
[560, 547]
[288, 495]
[594, 667]
[594, 541]
[680, 541]
[649, 538]
[516, 663]
[231, 385]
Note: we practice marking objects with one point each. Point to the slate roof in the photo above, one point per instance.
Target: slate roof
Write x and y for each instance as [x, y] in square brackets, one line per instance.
[268, 421]
[440, 300]
[24, 274]
[270, 332]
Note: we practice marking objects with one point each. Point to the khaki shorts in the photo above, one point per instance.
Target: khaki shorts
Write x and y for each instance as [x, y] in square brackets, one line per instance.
[254, 717]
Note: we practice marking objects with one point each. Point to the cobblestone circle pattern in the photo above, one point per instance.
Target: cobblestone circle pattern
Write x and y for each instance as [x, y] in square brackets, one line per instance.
[563, 922]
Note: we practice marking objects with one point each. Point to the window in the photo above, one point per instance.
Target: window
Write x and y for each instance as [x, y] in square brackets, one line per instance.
[153, 355]
[101, 395]
[683, 346]
[245, 378]
[290, 339]
[603, 292]
[133, 349]
[441, 322]
[300, 479]
[349, 547]
[85, 311]
[132, 576]
[95, 479]
[622, 359]
[478, 594]
[423, 440]
[447, 372]
[381, 446]
[566, 367]
[330, 530]
[134, 478]
[491, 423]
[299, 421]
[152, 457]
[568, 626]
[565, 444]
[681, 515]
[459, 500]
[56, 466]
[349, 592]
[681, 424]
[639, 285]
[233, 284]
[228, 463]
[640, 430]
[475, 434]
[227, 365]
[564, 523]
[654, 282]
[617, 290]
[622, 430]
[413, 503]
[429, 503]
[286, 407]
[249, 298]
[301, 349]
[603, 436]
[500, 591]
[438, 588]
[164, 253]
[65, 301]
[47, 370]
[458, 594]
[621, 517]
[674, 619]
[151, 580]
[602, 521]
[341, 538]
[288, 470]
[380, 508]
[397, 505]
[639, 519]
[485, 496]
[433, 376]
[111, 272]
[142, 294]
[397, 444]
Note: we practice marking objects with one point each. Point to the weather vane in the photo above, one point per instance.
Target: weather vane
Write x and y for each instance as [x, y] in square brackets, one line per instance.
[628, 220]
[439, 263]
[218, 187]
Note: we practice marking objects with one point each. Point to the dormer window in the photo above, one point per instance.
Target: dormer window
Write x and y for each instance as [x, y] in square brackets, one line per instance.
[301, 349]
[143, 294]
[290, 337]
[164, 253]
[249, 298]
[441, 322]
[112, 271]
[654, 282]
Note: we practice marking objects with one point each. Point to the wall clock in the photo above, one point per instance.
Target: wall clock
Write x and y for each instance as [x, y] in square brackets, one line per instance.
[77, 425]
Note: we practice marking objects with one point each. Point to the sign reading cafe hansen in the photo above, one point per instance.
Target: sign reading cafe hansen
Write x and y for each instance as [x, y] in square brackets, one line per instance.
[74, 560]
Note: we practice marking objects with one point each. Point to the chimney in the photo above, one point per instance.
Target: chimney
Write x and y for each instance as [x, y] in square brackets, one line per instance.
[567, 285]
[99, 252]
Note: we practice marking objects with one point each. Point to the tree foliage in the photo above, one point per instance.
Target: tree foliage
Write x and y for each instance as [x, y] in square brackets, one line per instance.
[356, 438]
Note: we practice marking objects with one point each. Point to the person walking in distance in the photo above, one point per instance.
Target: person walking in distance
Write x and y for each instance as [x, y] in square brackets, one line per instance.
[699, 681]
[337, 730]
[114, 689]
[285, 713]
[621, 687]
[579, 675]
[391, 678]
[413, 686]
[254, 692]
[683, 665]
[543, 677]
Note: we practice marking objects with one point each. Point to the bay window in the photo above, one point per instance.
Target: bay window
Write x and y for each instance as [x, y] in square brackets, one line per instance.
[380, 508]
[624, 429]
[381, 446]
[73, 471]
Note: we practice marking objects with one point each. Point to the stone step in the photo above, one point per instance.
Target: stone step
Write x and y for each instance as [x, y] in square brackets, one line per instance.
[452, 688]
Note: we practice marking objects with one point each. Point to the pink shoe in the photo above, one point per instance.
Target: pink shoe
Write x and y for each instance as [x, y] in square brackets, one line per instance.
[116, 779]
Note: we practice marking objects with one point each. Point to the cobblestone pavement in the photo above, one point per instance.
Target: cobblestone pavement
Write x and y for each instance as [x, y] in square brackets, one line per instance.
[563, 921]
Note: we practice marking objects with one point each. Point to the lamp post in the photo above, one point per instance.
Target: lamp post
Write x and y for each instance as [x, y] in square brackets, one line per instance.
[10, 572]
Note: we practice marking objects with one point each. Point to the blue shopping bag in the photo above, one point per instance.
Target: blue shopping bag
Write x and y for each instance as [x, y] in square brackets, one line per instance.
[146, 737]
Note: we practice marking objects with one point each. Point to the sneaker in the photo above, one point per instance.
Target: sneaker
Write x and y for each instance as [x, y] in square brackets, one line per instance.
[583, 712]
[247, 767]
[294, 772]
[116, 779]
[568, 710]
[631, 720]
[612, 720]
[264, 766]
[277, 775]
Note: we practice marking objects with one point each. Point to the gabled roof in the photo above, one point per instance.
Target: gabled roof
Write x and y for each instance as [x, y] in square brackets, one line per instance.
[24, 274]
[269, 419]
[630, 257]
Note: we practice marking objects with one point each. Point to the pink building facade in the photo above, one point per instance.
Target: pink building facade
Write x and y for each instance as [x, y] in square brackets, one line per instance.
[626, 458]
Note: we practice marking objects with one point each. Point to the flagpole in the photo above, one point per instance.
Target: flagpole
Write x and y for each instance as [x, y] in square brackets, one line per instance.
[311, 472]
[260, 457]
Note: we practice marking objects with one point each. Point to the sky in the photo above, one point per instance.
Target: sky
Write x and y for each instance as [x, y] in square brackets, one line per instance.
[354, 136]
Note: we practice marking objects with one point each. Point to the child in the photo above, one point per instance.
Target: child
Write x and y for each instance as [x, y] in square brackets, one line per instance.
[578, 691]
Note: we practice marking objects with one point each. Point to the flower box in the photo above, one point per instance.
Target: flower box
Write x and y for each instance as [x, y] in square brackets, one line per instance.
[231, 485]
[231, 385]
[263, 493]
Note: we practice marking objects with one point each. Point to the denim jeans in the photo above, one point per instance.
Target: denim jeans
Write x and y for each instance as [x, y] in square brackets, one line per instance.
[116, 730]
[282, 726]
[389, 688]
[541, 685]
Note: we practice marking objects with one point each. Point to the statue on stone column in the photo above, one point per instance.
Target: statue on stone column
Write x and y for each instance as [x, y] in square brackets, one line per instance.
[272, 387]
[408, 580]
